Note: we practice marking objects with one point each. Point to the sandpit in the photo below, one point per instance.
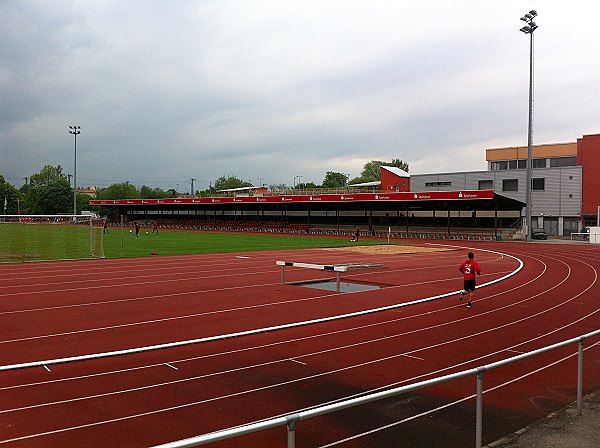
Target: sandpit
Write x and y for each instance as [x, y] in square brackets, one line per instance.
[393, 249]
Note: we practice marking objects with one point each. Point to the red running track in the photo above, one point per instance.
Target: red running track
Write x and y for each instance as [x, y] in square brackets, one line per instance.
[58, 310]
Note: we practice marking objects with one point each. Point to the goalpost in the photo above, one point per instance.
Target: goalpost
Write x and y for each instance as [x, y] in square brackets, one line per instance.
[50, 237]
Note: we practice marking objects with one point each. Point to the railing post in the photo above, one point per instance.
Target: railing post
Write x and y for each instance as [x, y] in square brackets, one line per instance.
[580, 378]
[479, 410]
[337, 282]
[91, 239]
[291, 430]
[283, 274]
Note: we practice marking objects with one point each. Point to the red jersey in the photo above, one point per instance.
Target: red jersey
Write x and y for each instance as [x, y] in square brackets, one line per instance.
[469, 268]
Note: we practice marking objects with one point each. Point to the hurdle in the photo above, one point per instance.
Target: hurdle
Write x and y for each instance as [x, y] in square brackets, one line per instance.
[337, 268]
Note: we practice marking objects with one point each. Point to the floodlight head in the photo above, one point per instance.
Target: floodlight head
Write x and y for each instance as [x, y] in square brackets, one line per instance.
[525, 29]
[533, 13]
[524, 19]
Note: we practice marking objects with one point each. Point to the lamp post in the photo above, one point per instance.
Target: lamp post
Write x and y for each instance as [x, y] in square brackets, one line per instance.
[75, 130]
[529, 29]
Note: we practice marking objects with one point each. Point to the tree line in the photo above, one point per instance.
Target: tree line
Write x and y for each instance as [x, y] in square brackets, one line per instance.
[49, 191]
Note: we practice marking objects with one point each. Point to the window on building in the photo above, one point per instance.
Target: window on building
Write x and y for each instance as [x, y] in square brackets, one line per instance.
[538, 184]
[498, 166]
[517, 164]
[485, 185]
[563, 161]
[539, 163]
[510, 185]
[437, 184]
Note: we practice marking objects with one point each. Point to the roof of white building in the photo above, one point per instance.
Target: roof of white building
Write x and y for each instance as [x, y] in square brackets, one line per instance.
[395, 170]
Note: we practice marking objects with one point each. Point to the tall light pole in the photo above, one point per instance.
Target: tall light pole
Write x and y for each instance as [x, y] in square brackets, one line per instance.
[529, 29]
[75, 130]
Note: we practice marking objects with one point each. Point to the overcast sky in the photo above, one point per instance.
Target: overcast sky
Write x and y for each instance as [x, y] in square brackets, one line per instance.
[165, 91]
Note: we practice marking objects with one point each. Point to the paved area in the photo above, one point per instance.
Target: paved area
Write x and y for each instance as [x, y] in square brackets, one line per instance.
[561, 429]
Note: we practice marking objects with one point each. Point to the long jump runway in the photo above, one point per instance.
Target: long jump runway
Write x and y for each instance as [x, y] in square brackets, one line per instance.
[252, 348]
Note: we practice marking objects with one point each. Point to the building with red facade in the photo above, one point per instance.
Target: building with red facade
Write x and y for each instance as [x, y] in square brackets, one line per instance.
[394, 179]
[588, 157]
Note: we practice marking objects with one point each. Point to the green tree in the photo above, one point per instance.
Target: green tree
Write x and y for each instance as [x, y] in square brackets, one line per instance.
[360, 180]
[153, 193]
[226, 183]
[9, 195]
[306, 186]
[372, 170]
[49, 192]
[46, 176]
[334, 180]
[123, 190]
[55, 197]
[399, 164]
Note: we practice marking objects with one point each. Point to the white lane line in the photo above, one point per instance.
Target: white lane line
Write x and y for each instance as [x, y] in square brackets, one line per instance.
[447, 405]
[337, 370]
[233, 335]
[135, 299]
[296, 361]
[414, 357]
[169, 365]
[115, 285]
[46, 367]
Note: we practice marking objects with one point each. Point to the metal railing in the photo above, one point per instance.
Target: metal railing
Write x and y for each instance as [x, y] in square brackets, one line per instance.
[292, 419]
[289, 191]
[585, 236]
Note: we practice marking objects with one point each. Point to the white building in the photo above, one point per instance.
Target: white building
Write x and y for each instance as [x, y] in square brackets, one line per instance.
[556, 194]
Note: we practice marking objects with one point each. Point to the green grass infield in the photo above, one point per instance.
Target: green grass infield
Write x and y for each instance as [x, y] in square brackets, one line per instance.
[179, 242]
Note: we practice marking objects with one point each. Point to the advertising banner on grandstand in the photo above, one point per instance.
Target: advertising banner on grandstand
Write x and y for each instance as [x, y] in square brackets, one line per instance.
[332, 198]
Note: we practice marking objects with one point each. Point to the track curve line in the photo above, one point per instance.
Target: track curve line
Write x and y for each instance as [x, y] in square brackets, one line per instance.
[220, 337]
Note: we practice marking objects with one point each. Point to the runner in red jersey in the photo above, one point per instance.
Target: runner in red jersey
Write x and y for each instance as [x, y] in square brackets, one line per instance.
[468, 269]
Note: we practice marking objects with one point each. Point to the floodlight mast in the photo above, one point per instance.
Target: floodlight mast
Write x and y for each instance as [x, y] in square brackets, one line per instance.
[75, 130]
[529, 29]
